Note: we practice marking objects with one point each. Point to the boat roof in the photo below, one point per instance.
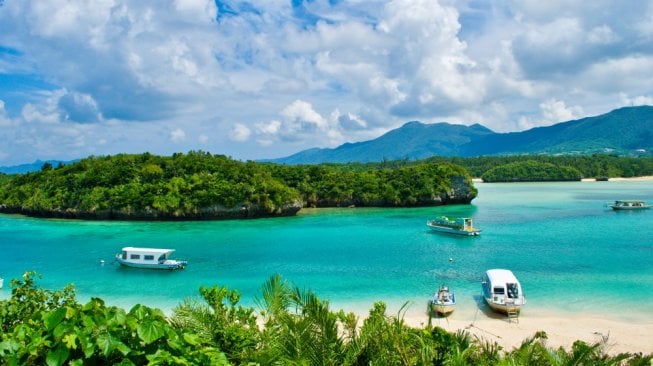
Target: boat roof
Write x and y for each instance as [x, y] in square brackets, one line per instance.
[631, 201]
[501, 276]
[147, 250]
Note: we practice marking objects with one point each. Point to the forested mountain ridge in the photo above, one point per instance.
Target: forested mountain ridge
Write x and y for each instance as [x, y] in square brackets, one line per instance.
[413, 141]
[624, 131]
[199, 185]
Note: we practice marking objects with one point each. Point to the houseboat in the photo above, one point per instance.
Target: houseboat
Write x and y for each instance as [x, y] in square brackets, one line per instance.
[629, 205]
[503, 292]
[459, 226]
[153, 258]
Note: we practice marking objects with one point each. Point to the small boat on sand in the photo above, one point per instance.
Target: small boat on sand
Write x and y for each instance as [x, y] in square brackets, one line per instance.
[502, 291]
[459, 226]
[443, 301]
[153, 258]
[629, 205]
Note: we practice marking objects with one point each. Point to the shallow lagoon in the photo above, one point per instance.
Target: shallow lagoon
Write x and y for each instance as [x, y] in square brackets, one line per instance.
[570, 251]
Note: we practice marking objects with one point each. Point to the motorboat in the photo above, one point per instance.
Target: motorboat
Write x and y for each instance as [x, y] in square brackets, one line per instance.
[154, 258]
[459, 226]
[443, 301]
[629, 205]
[2, 282]
[503, 292]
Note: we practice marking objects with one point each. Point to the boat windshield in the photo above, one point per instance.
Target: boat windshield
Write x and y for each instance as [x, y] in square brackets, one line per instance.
[513, 290]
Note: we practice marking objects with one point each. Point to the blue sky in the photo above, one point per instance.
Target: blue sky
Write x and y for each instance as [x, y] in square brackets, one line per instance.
[265, 79]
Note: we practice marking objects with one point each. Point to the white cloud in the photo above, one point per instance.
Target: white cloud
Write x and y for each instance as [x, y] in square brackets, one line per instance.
[4, 119]
[320, 73]
[552, 111]
[637, 100]
[177, 135]
[602, 35]
[301, 115]
[240, 132]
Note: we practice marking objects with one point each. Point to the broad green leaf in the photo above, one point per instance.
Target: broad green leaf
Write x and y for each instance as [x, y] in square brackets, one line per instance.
[192, 339]
[106, 343]
[53, 318]
[123, 348]
[150, 331]
[58, 356]
[88, 346]
[139, 312]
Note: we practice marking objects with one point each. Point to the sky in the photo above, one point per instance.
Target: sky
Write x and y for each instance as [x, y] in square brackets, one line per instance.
[268, 78]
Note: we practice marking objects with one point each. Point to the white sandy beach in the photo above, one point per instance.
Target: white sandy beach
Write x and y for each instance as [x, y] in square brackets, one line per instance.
[642, 178]
[561, 329]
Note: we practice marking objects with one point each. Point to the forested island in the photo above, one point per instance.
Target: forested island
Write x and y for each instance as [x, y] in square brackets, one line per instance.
[530, 168]
[198, 185]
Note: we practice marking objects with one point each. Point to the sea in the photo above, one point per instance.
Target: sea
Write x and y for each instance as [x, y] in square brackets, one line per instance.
[570, 251]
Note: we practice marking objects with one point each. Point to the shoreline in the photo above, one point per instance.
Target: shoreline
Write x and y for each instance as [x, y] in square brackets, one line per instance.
[616, 179]
[562, 328]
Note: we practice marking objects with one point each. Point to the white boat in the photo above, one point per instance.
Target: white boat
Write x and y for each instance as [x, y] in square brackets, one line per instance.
[459, 226]
[629, 205]
[443, 301]
[503, 292]
[2, 282]
[154, 258]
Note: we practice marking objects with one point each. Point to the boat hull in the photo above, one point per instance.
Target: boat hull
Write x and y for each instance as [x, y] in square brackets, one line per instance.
[448, 230]
[507, 309]
[626, 208]
[168, 265]
[442, 309]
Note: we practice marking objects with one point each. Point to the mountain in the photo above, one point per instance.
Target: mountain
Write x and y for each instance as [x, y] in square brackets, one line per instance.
[413, 140]
[33, 167]
[624, 131]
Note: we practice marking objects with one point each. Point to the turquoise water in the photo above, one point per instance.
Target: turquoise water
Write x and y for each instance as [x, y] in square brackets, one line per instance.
[571, 252]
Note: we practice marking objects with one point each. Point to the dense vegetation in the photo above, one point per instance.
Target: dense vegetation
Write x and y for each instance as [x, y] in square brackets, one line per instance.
[590, 166]
[531, 171]
[200, 185]
[294, 327]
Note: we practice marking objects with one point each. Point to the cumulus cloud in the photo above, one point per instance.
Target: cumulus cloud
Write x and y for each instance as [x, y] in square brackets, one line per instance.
[240, 132]
[552, 111]
[290, 75]
[637, 100]
[177, 135]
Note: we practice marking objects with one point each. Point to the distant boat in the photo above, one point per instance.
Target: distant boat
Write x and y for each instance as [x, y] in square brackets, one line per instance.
[459, 226]
[503, 292]
[443, 301]
[2, 282]
[154, 258]
[629, 205]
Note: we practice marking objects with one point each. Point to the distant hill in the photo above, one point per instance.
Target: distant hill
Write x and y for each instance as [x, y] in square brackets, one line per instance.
[624, 131]
[32, 167]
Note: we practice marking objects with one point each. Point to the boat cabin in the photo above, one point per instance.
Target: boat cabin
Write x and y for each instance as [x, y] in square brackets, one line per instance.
[502, 287]
[145, 255]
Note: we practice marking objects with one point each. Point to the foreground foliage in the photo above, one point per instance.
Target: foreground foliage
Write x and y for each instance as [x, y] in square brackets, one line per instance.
[43, 327]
